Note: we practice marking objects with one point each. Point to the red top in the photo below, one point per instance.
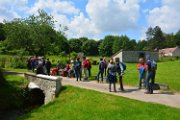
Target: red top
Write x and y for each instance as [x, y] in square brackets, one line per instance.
[85, 64]
[141, 65]
[88, 64]
[67, 67]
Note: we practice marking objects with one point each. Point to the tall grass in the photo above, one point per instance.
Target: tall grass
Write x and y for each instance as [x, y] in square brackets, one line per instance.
[7, 61]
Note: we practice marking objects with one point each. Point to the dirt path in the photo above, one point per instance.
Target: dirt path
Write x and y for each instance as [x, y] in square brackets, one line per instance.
[160, 97]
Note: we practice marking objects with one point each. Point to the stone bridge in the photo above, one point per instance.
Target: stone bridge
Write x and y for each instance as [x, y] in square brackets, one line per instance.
[50, 85]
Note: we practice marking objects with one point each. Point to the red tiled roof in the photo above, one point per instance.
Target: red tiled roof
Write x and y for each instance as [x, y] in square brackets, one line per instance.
[167, 50]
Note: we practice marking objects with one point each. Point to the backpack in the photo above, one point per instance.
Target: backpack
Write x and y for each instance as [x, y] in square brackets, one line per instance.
[153, 65]
[123, 65]
[102, 65]
[77, 65]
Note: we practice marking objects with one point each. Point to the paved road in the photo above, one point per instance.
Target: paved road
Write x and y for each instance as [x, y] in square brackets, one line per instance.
[160, 97]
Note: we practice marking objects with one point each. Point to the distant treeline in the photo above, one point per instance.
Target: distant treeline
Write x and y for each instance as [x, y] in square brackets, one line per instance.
[35, 35]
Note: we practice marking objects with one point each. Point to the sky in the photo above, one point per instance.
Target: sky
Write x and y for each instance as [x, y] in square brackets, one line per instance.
[97, 18]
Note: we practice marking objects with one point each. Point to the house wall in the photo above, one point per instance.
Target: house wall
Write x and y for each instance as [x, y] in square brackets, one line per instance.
[133, 56]
[119, 55]
[176, 52]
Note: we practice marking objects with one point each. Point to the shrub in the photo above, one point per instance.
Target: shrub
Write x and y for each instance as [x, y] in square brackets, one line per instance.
[2, 62]
[19, 62]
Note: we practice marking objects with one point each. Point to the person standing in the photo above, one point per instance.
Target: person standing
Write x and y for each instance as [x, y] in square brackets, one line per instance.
[89, 67]
[105, 65]
[151, 67]
[101, 70]
[142, 68]
[77, 67]
[48, 66]
[120, 70]
[111, 70]
[34, 63]
[84, 65]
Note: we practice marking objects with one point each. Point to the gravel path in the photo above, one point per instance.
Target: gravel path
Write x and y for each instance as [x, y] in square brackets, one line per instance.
[160, 97]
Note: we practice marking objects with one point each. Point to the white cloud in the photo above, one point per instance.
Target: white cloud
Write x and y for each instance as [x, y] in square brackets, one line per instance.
[60, 6]
[167, 16]
[102, 16]
[81, 26]
[8, 9]
[113, 15]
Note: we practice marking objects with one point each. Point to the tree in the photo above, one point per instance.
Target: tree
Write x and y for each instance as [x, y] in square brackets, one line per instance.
[177, 38]
[90, 47]
[142, 45]
[155, 38]
[169, 40]
[123, 42]
[105, 48]
[2, 32]
[35, 34]
[75, 45]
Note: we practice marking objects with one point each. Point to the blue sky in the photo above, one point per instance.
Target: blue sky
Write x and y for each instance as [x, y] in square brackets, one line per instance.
[98, 18]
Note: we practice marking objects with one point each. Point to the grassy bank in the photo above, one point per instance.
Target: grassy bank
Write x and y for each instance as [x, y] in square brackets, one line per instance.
[10, 94]
[81, 104]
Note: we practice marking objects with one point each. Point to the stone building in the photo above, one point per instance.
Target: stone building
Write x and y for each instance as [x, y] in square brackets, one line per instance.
[169, 52]
[133, 56]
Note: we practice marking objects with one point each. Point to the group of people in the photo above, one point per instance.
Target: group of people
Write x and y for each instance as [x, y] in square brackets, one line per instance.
[40, 65]
[147, 71]
[113, 70]
[84, 66]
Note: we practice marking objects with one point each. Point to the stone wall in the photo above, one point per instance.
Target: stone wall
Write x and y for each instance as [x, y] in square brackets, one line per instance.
[177, 52]
[50, 85]
[133, 56]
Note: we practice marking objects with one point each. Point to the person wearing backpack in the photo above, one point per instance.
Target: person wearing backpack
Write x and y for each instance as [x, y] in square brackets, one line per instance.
[112, 79]
[101, 70]
[77, 67]
[151, 67]
[121, 67]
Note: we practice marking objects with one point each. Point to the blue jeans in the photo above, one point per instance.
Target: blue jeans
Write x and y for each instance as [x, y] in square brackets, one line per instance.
[142, 77]
[78, 74]
[151, 76]
[101, 72]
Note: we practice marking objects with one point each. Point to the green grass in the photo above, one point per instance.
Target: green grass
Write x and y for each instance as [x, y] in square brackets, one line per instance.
[167, 73]
[81, 104]
[10, 93]
[16, 69]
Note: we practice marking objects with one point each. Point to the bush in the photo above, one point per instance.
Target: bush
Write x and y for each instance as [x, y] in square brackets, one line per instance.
[19, 62]
[73, 55]
[2, 62]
